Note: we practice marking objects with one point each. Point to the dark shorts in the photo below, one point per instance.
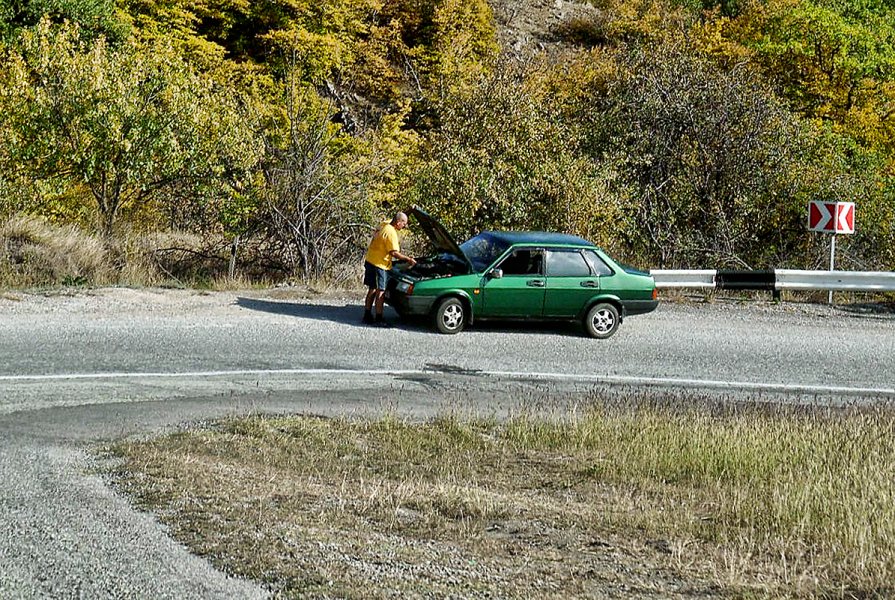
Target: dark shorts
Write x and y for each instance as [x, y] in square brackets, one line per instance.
[375, 277]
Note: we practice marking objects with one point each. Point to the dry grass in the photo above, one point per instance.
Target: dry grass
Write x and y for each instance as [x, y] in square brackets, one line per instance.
[35, 253]
[649, 502]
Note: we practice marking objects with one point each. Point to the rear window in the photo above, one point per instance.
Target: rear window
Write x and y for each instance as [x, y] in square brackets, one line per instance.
[596, 263]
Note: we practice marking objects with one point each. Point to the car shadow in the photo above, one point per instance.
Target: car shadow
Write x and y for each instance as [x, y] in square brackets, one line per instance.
[560, 328]
[348, 314]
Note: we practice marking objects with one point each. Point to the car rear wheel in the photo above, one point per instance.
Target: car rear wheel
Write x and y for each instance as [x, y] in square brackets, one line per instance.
[601, 321]
[450, 316]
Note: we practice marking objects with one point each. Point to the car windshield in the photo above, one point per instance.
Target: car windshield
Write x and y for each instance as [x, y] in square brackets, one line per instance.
[482, 250]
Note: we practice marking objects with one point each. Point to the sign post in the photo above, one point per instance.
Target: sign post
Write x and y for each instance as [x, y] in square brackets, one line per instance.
[831, 217]
[832, 264]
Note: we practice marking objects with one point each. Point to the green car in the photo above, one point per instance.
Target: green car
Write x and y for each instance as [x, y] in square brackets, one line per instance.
[518, 275]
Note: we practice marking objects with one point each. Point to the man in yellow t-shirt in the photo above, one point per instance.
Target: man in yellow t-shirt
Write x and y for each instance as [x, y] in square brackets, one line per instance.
[384, 247]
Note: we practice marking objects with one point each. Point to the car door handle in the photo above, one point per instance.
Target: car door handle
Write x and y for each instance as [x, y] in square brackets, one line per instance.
[592, 284]
[535, 283]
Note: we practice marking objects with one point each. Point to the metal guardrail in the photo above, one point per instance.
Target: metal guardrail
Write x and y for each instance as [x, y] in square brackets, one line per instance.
[684, 279]
[844, 281]
[776, 280]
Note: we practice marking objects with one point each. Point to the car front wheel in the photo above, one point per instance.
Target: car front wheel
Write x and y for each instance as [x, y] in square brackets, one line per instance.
[601, 321]
[450, 316]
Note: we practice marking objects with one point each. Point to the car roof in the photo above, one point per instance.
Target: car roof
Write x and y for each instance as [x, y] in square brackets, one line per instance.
[538, 237]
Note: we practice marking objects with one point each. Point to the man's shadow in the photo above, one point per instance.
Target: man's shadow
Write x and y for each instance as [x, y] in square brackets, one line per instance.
[348, 314]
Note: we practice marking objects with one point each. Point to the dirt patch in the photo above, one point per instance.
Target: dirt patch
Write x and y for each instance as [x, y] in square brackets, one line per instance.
[531, 25]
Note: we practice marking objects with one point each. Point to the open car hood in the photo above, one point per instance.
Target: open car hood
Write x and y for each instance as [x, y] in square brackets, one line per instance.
[438, 235]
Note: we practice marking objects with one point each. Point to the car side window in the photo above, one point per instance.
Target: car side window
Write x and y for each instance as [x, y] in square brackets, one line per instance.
[523, 262]
[596, 263]
[566, 263]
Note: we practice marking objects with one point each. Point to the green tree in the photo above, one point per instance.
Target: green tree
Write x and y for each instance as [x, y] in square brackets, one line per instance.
[95, 17]
[834, 60]
[708, 154]
[504, 158]
[133, 125]
[836, 167]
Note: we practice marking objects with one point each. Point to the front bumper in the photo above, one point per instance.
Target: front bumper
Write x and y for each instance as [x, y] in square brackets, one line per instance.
[410, 305]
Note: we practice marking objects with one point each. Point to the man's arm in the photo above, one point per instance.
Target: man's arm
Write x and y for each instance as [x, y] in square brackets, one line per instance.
[397, 255]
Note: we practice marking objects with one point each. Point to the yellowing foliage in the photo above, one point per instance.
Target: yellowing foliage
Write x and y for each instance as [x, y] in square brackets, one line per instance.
[834, 61]
[222, 113]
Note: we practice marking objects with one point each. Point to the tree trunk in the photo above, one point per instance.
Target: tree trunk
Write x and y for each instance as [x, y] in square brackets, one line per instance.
[234, 248]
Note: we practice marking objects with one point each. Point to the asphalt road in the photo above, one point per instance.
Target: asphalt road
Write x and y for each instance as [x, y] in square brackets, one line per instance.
[77, 370]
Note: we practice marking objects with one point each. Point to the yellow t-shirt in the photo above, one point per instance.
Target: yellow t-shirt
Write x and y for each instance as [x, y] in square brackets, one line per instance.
[385, 240]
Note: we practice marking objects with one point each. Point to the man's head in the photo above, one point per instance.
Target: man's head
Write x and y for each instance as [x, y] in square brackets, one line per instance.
[400, 221]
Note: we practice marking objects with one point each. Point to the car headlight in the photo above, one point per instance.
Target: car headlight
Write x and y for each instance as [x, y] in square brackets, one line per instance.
[405, 287]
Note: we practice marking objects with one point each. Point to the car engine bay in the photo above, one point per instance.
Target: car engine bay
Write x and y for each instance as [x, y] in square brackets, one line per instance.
[433, 267]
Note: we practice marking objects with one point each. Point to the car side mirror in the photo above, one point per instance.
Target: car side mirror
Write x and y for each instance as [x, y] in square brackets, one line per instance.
[495, 273]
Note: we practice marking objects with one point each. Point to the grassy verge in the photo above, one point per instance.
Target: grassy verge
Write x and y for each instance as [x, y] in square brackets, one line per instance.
[644, 502]
[38, 254]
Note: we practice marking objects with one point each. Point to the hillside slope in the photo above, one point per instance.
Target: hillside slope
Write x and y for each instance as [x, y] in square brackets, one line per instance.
[525, 25]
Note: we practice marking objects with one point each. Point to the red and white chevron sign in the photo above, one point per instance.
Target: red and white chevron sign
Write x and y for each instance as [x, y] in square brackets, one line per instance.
[834, 217]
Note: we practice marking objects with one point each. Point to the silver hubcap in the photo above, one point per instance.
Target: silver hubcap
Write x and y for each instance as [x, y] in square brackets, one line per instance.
[603, 321]
[452, 316]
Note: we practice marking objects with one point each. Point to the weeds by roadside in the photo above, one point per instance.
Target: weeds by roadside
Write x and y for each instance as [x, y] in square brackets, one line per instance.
[34, 253]
[37, 254]
[661, 501]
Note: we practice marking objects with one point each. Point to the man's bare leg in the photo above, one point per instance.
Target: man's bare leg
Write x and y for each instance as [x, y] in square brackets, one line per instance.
[368, 306]
[380, 304]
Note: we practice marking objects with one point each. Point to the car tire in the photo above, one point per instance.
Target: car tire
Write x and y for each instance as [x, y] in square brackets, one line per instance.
[450, 316]
[601, 321]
